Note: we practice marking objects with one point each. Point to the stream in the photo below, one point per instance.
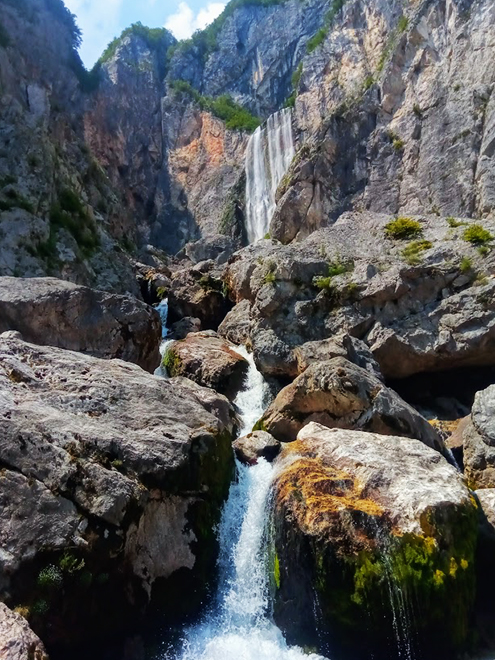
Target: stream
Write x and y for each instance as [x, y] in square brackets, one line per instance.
[237, 625]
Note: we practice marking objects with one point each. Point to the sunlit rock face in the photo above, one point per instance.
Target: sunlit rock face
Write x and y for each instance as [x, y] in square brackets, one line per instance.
[107, 471]
[367, 529]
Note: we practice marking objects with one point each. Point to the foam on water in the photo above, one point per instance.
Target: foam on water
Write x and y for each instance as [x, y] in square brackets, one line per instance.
[238, 625]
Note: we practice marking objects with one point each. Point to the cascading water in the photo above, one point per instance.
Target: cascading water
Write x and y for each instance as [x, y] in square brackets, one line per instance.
[238, 625]
[162, 309]
[269, 153]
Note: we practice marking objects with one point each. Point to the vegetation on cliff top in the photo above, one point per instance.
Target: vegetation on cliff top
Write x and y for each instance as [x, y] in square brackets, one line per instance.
[205, 41]
[236, 117]
[155, 38]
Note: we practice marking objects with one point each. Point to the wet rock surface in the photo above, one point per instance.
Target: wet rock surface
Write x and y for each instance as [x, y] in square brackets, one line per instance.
[363, 515]
[114, 478]
[208, 360]
[57, 313]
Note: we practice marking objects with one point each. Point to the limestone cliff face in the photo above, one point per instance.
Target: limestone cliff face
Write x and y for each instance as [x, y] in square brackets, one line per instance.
[58, 212]
[396, 115]
[255, 54]
[393, 113]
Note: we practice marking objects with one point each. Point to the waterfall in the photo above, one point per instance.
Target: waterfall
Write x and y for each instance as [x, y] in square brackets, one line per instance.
[238, 624]
[162, 309]
[269, 153]
[252, 400]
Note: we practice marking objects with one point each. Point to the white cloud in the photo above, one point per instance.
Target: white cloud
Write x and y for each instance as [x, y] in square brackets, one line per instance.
[99, 23]
[184, 22]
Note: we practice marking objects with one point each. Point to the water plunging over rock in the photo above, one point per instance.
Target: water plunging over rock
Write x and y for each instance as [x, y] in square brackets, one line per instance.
[238, 624]
[269, 153]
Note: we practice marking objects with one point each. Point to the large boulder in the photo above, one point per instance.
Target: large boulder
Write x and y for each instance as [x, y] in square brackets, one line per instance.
[478, 439]
[373, 546]
[17, 640]
[111, 485]
[339, 394]
[198, 292]
[208, 360]
[53, 312]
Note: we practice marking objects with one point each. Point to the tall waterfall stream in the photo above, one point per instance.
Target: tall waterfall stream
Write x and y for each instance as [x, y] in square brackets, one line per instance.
[269, 153]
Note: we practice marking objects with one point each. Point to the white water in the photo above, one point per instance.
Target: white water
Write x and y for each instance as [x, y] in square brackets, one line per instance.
[253, 399]
[238, 626]
[269, 153]
[162, 309]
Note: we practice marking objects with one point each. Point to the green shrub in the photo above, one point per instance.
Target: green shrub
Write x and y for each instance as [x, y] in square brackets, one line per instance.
[335, 268]
[417, 111]
[15, 201]
[50, 577]
[69, 563]
[338, 267]
[413, 251]
[317, 39]
[236, 117]
[320, 36]
[402, 24]
[40, 607]
[477, 235]
[483, 250]
[290, 102]
[452, 222]
[368, 82]
[403, 228]
[155, 38]
[172, 363]
[323, 283]
[296, 76]
[465, 265]
[70, 213]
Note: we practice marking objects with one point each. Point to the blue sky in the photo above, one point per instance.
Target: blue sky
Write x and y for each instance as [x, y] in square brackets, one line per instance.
[102, 20]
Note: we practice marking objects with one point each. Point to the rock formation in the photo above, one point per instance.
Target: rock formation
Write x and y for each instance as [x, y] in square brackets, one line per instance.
[208, 360]
[478, 439]
[360, 536]
[52, 312]
[114, 479]
[17, 640]
[339, 394]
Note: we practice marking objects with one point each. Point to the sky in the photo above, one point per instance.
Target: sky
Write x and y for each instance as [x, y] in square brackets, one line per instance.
[102, 20]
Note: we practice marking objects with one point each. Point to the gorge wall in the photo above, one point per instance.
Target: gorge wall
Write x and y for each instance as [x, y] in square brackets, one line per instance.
[392, 113]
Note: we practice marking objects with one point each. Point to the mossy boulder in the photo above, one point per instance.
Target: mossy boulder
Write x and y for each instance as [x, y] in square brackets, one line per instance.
[374, 540]
[111, 488]
[208, 360]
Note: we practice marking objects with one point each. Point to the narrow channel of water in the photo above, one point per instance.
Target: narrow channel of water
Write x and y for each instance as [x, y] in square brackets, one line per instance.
[238, 624]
